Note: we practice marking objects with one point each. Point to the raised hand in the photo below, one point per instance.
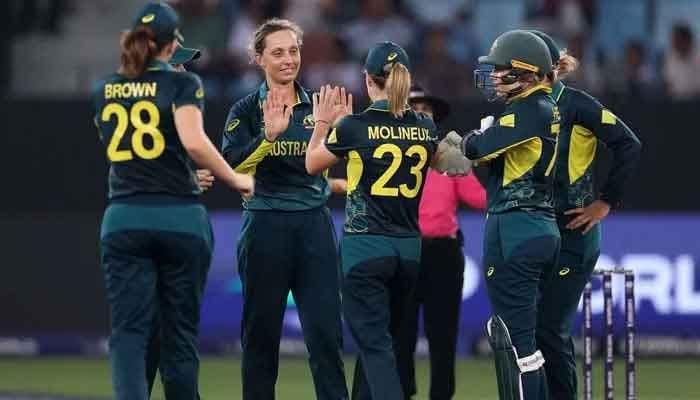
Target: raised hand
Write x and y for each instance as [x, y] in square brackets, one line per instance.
[343, 106]
[276, 115]
[325, 105]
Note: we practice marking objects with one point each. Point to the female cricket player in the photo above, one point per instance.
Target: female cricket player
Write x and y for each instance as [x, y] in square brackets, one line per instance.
[441, 277]
[181, 56]
[521, 239]
[389, 148]
[156, 239]
[579, 210]
[287, 240]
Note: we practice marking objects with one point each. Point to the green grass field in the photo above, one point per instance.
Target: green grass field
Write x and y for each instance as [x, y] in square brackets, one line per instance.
[220, 378]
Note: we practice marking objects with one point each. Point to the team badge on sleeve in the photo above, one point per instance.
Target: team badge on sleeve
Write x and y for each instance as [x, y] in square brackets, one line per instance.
[309, 122]
[232, 125]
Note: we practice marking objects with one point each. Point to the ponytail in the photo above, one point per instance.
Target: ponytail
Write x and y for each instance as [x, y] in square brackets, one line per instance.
[138, 48]
[398, 87]
[567, 64]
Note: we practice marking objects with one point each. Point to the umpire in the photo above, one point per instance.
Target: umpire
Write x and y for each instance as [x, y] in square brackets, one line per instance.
[440, 281]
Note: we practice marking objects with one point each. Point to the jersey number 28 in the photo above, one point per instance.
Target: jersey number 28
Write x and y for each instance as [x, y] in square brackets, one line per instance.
[141, 129]
[379, 187]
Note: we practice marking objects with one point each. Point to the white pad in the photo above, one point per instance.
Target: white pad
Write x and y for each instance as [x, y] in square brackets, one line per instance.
[533, 362]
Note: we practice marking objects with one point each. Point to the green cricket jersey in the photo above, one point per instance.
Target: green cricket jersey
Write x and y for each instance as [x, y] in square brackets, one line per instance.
[387, 160]
[520, 148]
[281, 181]
[584, 121]
[135, 118]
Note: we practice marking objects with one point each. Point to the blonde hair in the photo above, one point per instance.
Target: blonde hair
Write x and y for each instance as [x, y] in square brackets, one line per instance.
[138, 48]
[398, 87]
[567, 64]
[257, 43]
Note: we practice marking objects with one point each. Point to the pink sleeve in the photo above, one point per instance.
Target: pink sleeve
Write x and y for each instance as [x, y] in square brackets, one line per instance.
[471, 192]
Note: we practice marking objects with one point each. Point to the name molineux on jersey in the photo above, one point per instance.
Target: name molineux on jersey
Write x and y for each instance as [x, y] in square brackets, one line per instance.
[398, 132]
[130, 89]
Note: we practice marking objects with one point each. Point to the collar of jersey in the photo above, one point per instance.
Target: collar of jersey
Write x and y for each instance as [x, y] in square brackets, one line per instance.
[302, 97]
[530, 91]
[157, 65]
[382, 105]
[557, 90]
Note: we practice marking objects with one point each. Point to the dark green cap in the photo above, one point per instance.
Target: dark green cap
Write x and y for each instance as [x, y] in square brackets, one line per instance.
[554, 50]
[162, 19]
[519, 49]
[382, 56]
[183, 55]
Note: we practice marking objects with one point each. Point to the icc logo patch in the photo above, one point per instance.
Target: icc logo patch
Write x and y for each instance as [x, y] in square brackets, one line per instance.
[309, 122]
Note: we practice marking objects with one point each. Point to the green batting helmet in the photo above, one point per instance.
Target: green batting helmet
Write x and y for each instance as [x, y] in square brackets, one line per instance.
[519, 49]
[554, 50]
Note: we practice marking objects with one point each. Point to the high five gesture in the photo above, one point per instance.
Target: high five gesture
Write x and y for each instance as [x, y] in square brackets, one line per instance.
[276, 114]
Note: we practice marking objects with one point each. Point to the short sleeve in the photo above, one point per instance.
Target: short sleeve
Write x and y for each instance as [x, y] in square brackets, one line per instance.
[189, 91]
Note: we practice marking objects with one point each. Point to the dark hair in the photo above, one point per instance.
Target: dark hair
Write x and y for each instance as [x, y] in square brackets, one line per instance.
[138, 47]
[683, 31]
[257, 43]
[398, 87]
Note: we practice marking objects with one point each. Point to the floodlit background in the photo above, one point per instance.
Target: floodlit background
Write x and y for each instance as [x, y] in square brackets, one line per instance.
[640, 57]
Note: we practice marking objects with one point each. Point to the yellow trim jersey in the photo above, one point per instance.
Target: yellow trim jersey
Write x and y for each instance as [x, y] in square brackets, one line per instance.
[387, 161]
[281, 181]
[520, 149]
[136, 122]
[584, 122]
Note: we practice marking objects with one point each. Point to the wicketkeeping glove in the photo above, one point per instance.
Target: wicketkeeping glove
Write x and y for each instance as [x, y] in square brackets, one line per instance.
[451, 161]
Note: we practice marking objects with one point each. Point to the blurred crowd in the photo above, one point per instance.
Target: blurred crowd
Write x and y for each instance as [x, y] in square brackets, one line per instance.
[444, 39]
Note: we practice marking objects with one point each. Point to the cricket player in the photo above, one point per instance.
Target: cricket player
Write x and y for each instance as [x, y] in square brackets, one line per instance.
[521, 241]
[287, 239]
[180, 57]
[388, 149]
[579, 209]
[156, 240]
